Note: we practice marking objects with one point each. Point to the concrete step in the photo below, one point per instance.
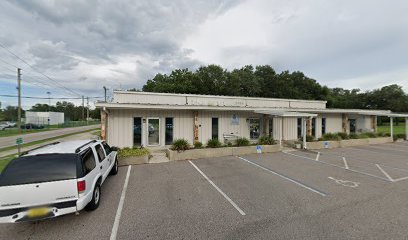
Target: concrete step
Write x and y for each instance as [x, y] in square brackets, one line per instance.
[158, 157]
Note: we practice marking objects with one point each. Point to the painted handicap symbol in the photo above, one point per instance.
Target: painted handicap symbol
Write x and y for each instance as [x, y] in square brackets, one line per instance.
[345, 183]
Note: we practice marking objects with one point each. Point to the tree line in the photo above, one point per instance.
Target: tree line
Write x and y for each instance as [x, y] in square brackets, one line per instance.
[264, 81]
[71, 112]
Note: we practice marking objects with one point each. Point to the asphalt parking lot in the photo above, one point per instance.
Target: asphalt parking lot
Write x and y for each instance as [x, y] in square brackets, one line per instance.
[345, 193]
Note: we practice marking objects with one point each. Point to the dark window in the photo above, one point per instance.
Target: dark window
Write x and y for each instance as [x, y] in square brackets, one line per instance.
[169, 131]
[214, 128]
[137, 132]
[323, 125]
[299, 127]
[352, 125]
[100, 152]
[270, 127]
[314, 127]
[108, 150]
[40, 168]
[254, 128]
[88, 161]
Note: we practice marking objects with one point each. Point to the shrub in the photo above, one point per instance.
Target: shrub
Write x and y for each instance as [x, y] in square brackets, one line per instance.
[381, 134]
[331, 137]
[309, 138]
[214, 143]
[132, 152]
[343, 136]
[363, 135]
[266, 140]
[198, 145]
[180, 145]
[370, 134]
[400, 136]
[229, 144]
[242, 142]
[353, 136]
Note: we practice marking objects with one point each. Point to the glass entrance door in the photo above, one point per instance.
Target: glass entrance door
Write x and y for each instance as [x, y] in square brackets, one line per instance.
[153, 126]
[137, 132]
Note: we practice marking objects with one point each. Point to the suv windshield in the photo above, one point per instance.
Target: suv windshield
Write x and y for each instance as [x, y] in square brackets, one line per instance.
[40, 168]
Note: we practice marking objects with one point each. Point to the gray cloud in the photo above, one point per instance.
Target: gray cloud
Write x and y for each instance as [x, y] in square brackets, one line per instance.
[87, 44]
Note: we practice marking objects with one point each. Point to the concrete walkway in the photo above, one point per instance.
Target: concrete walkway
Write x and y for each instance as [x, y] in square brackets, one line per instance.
[31, 137]
[79, 136]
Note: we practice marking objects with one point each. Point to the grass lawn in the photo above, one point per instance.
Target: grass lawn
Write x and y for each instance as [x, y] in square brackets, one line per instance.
[5, 160]
[400, 129]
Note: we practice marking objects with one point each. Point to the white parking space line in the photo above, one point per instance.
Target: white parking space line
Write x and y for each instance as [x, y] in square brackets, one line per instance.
[219, 190]
[345, 163]
[286, 178]
[120, 206]
[317, 156]
[385, 173]
[388, 148]
[334, 165]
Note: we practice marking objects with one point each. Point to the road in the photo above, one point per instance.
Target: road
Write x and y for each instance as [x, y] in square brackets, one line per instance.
[79, 136]
[31, 137]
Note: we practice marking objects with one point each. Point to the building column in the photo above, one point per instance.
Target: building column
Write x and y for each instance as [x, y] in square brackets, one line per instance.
[309, 127]
[406, 128]
[345, 123]
[265, 124]
[103, 124]
[196, 139]
[281, 132]
[304, 133]
[392, 127]
[374, 123]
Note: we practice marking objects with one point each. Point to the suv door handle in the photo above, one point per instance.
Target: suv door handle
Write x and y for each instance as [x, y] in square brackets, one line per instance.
[100, 167]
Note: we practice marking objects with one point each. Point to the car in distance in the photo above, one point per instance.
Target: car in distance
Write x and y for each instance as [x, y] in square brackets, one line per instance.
[55, 179]
[31, 126]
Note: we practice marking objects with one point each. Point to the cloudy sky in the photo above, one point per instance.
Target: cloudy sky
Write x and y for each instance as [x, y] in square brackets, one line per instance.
[85, 45]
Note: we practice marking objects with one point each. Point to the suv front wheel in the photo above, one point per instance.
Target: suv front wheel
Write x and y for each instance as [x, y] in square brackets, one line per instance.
[115, 167]
[96, 198]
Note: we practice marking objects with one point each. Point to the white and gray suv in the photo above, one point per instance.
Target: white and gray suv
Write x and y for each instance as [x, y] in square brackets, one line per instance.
[55, 179]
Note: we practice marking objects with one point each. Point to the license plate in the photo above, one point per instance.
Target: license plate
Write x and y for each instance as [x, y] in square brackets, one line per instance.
[38, 212]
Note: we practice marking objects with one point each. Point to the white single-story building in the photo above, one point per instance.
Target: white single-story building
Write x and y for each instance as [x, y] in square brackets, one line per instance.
[44, 118]
[156, 119]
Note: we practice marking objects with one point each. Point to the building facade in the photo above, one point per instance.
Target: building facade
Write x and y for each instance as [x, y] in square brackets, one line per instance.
[157, 119]
[44, 118]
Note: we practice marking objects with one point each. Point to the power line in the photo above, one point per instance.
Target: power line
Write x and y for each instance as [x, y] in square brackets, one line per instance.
[15, 55]
[31, 97]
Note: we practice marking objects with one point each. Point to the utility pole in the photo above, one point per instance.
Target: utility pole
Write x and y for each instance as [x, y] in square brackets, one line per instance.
[104, 88]
[19, 109]
[83, 108]
[19, 99]
[87, 110]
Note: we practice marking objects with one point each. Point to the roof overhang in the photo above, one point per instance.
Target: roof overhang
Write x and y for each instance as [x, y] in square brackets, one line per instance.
[280, 113]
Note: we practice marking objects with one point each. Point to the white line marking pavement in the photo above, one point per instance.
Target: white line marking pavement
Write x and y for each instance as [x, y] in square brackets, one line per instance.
[219, 190]
[385, 173]
[120, 206]
[345, 163]
[317, 156]
[286, 178]
[334, 165]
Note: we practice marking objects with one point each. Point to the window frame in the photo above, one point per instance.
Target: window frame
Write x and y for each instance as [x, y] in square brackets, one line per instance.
[83, 154]
[98, 154]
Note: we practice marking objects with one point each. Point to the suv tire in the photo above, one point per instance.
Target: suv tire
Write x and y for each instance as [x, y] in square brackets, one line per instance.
[115, 167]
[96, 199]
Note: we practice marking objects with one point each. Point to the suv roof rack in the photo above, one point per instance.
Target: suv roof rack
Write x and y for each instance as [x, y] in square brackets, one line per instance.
[46, 145]
[80, 147]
